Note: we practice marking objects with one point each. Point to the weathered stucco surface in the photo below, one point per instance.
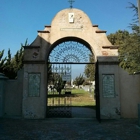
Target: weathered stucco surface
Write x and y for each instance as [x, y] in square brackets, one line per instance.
[109, 106]
[81, 28]
[12, 103]
[34, 106]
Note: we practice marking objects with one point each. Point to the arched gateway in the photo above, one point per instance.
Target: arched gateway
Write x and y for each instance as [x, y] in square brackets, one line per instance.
[70, 26]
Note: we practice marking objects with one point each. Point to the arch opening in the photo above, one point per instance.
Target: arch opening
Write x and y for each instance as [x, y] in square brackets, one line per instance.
[65, 57]
[70, 50]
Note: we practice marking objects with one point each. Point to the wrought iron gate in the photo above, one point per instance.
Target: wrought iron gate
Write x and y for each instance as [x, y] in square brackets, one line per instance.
[97, 95]
[59, 90]
[59, 72]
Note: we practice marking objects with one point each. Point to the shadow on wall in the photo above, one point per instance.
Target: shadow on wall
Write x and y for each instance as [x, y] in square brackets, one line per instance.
[130, 94]
[13, 96]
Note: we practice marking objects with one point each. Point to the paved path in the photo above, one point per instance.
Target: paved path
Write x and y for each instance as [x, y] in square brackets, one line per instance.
[68, 129]
[83, 112]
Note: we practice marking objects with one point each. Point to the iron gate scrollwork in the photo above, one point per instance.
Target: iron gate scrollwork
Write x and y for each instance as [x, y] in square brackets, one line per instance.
[70, 52]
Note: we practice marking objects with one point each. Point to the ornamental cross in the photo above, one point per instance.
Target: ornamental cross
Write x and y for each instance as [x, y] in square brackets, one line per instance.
[71, 2]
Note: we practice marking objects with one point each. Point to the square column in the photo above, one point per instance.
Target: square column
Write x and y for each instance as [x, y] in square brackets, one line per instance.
[109, 87]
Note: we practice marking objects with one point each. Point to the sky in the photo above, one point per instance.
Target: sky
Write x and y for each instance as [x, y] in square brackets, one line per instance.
[21, 19]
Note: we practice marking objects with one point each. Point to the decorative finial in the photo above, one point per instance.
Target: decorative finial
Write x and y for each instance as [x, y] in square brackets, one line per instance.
[71, 2]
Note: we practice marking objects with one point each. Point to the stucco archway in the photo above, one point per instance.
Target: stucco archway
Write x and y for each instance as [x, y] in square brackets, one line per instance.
[69, 24]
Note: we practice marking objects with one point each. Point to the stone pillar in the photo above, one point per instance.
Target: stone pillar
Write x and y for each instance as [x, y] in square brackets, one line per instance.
[109, 87]
[2, 92]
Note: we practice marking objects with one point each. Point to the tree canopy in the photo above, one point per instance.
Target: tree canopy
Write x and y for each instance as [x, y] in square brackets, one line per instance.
[129, 49]
[90, 69]
[59, 84]
[129, 45]
[11, 65]
[79, 80]
[134, 25]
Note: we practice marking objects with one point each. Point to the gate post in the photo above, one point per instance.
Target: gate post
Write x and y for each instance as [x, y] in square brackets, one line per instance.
[2, 92]
[109, 87]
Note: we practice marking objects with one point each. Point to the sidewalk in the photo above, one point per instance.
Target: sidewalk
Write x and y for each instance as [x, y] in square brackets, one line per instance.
[69, 129]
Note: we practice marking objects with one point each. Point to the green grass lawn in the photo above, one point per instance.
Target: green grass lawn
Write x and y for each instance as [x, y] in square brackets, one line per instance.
[82, 98]
[78, 97]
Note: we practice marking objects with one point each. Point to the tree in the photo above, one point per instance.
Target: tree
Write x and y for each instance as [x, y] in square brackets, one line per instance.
[59, 84]
[129, 51]
[11, 65]
[119, 37]
[8, 68]
[18, 58]
[1, 54]
[90, 69]
[134, 25]
[129, 54]
[2, 61]
[79, 80]
[129, 48]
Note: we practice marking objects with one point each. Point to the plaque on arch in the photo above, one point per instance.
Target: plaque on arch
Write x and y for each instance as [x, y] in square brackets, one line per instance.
[71, 17]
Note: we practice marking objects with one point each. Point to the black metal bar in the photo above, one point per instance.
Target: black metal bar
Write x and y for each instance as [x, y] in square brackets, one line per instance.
[97, 92]
[69, 63]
